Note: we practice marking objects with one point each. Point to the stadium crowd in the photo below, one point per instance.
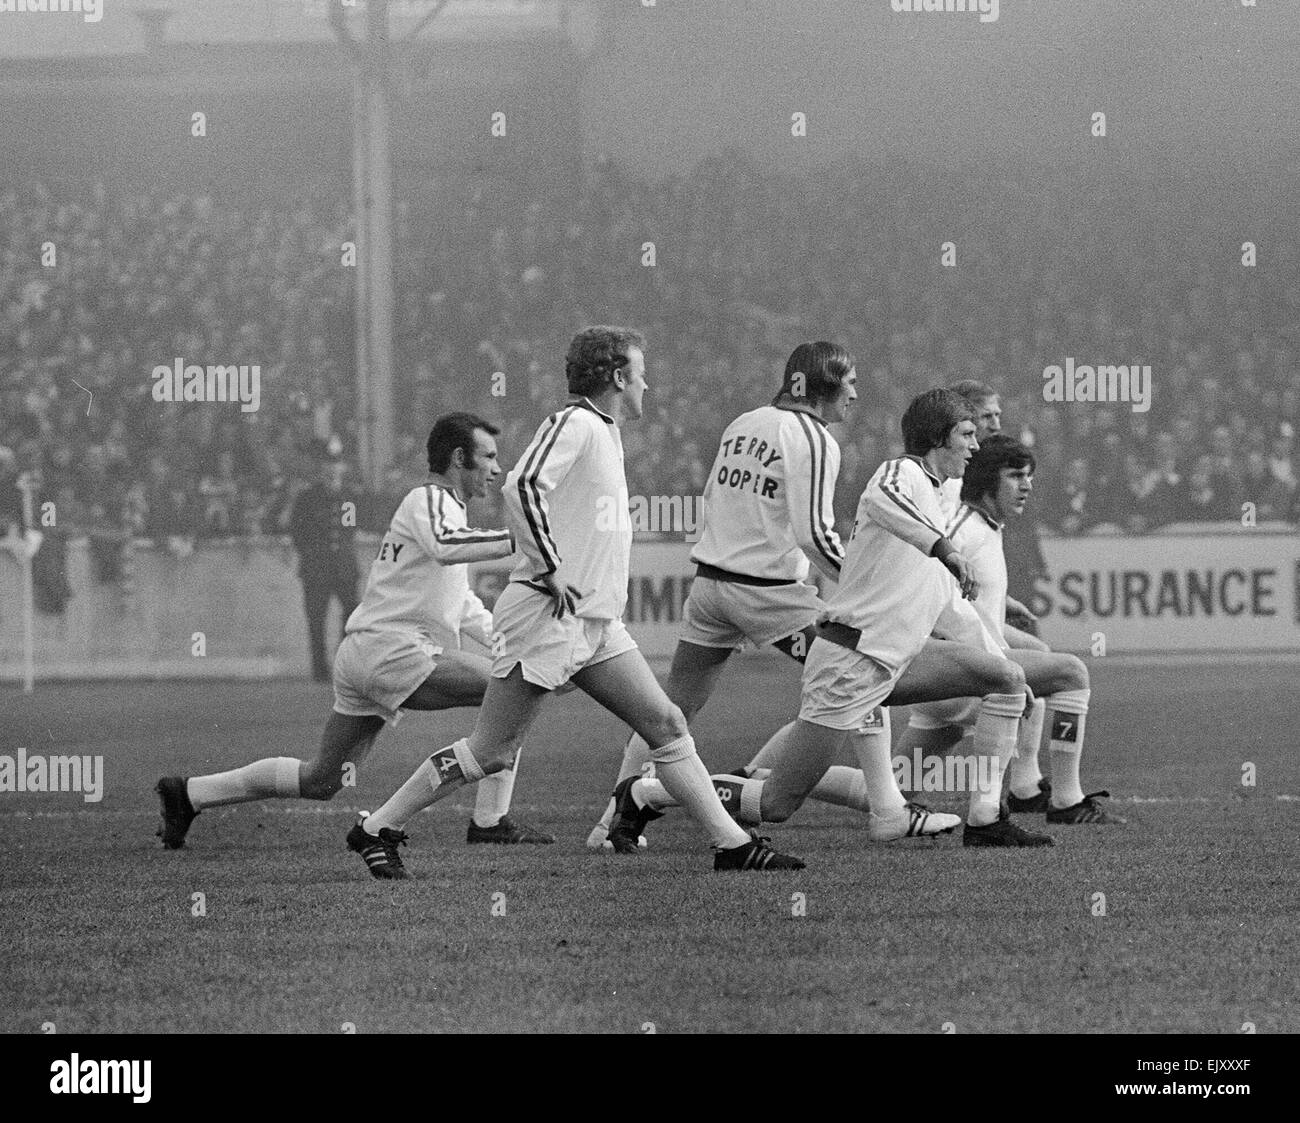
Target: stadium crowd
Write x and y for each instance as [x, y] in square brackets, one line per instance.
[98, 287]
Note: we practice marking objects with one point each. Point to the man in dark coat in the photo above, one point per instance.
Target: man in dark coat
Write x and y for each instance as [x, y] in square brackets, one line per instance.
[322, 526]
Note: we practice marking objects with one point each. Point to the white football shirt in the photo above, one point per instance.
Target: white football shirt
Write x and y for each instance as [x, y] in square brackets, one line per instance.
[769, 500]
[566, 501]
[949, 499]
[890, 586]
[978, 535]
[419, 581]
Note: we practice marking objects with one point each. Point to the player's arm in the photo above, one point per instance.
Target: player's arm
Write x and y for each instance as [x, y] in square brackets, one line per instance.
[891, 499]
[1018, 612]
[476, 620]
[812, 467]
[1022, 640]
[559, 443]
[453, 545]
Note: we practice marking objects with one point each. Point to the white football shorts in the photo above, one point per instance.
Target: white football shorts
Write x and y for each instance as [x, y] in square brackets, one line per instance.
[526, 633]
[842, 688]
[376, 671]
[726, 613]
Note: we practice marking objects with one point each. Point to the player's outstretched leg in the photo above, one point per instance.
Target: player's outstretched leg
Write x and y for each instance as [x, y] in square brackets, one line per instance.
[508, 709]
[345, 741]
[492, 821]
[795, 753]
[626, 687]
[691, 680]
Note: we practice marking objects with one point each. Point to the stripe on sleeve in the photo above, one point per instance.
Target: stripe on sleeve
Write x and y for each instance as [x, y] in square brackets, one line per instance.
[459, 536]
[889, 485]
[531, 498]
[821, 539]
[963, 513]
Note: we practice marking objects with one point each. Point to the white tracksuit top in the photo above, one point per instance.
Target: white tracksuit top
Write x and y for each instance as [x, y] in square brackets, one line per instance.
[769, 499]
[890, 587]
[566, 501]
[419, 580]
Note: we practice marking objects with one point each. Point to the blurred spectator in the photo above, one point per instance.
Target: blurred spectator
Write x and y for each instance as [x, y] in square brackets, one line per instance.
[1166, 497]
[497, 278]
[1206, 499]
[1073, 505]
[327, 565]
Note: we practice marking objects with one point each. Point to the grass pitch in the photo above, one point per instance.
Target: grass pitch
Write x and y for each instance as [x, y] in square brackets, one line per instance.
[1199, 930]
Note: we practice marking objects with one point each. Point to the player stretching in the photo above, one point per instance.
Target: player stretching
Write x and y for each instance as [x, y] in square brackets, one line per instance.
[928, 729]
[876, 644]
[768, 513]
[996, 486]
[401, 648]
[560, 618]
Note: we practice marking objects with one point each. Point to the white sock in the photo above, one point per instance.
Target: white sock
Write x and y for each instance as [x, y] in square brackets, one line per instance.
[843, 786]
[650, 791]
[875, 757]
[272, 778]
[684, 776]
[1069, 715]
[493, 794]
[1024, 773]
[636, 755]
[996, 728]
[439, 776]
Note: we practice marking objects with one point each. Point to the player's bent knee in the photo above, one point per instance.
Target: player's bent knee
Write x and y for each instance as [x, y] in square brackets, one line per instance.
[778, 808]
[1007, 678]
[670, 725]
[1077, 670]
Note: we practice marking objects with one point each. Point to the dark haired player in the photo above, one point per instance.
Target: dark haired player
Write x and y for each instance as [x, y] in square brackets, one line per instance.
[561, 617]
[768, 517]
[401, 647]
[995, 487]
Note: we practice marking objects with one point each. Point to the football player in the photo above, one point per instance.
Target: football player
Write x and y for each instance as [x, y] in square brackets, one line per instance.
[995, 487]
[401, 649]
[560, 618]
